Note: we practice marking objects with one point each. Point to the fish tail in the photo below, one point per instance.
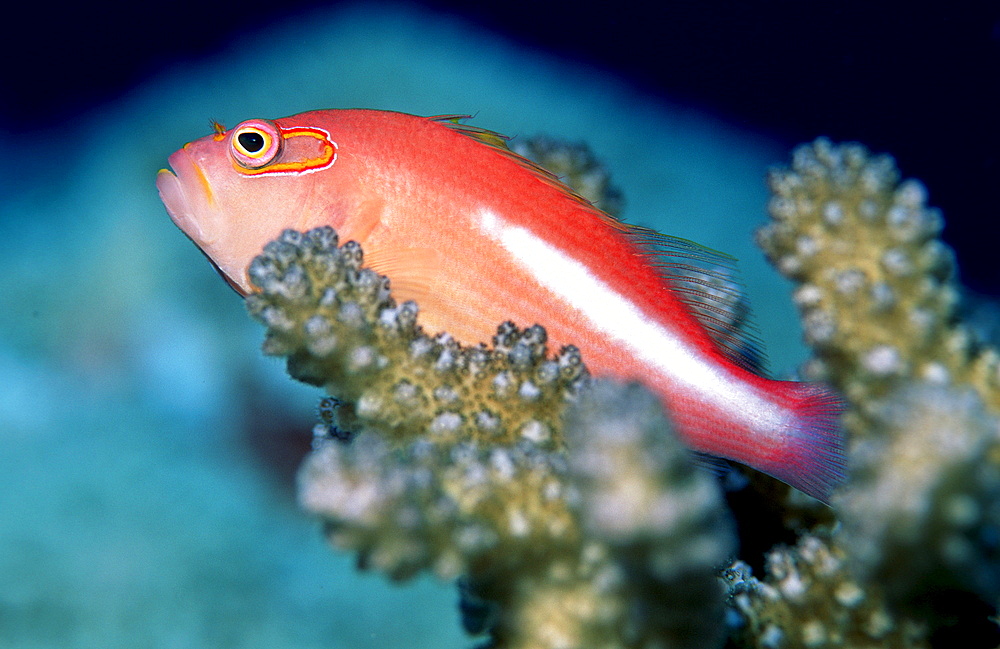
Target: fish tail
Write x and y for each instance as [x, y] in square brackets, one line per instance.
[812, 453]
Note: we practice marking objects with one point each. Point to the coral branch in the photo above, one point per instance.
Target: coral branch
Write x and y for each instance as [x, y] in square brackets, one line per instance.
[497, 465]
[876, 285]
[339, 328]
[810, 599]
[920, 513]
[566, 508]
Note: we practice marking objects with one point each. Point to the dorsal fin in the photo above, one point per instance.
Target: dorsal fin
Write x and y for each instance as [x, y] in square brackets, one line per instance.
[708, 283]
[485, 136]
[704, 280]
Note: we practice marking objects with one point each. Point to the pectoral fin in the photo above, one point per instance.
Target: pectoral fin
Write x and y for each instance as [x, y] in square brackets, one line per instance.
[412, 272]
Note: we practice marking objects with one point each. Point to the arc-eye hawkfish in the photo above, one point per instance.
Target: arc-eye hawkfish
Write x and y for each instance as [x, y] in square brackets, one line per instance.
[478, 235]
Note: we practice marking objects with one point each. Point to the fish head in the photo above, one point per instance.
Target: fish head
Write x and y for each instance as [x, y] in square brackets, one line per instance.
[233, 191]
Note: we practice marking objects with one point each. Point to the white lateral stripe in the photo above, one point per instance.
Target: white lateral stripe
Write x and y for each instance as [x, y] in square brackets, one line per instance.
[618, 318]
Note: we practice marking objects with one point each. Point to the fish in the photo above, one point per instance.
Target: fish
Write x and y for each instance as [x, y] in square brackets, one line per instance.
[478, 235]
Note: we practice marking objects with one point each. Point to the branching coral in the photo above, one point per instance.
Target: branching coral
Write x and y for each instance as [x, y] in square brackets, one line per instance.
[339, 328]
[660, 515]
[811, 600]
[568, 511]
[465, 462]
[876, 285]
[921, 511]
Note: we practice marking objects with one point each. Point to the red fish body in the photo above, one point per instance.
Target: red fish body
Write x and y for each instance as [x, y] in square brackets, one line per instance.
[477, 235]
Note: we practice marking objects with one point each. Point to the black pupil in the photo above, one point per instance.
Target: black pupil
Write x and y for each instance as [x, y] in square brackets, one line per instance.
[251, 142]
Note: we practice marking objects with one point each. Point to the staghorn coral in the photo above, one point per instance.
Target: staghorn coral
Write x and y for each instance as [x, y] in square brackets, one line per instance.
[462, 462]
[340, 329]
[635, 579]
[924, 490]
[568, 512]
[920, 514]
[663, 517]
[876, 285]
[811, 600]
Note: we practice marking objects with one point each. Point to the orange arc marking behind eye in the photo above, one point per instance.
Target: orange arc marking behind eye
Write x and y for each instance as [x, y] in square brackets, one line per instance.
[326, 158]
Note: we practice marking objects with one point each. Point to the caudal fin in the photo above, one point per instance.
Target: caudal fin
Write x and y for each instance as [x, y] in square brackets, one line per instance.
[812, 459]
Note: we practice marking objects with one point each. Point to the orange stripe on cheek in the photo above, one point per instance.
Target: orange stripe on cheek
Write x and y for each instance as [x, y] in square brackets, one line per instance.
[206, 187]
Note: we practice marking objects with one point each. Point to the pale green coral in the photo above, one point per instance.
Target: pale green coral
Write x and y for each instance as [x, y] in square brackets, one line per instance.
[569, 512]
[444, 508]
[496, 465]
[876, 285]
[339, 327]
[663, 518]
[921, 510]
[923, 505]
[810, 600]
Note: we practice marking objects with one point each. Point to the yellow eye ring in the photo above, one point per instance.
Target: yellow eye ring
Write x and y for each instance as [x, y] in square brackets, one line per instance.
[255, 143]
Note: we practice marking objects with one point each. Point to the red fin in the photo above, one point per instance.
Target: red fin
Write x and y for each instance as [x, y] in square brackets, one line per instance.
[812, 460]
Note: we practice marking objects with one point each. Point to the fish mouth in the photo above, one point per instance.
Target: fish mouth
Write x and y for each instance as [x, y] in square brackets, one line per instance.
[174, 186]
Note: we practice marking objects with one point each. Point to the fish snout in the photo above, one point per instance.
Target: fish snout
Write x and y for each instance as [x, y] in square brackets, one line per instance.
[179, 189]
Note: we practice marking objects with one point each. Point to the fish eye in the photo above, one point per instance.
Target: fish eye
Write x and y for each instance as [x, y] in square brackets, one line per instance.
[251, 142]
[255, 143]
